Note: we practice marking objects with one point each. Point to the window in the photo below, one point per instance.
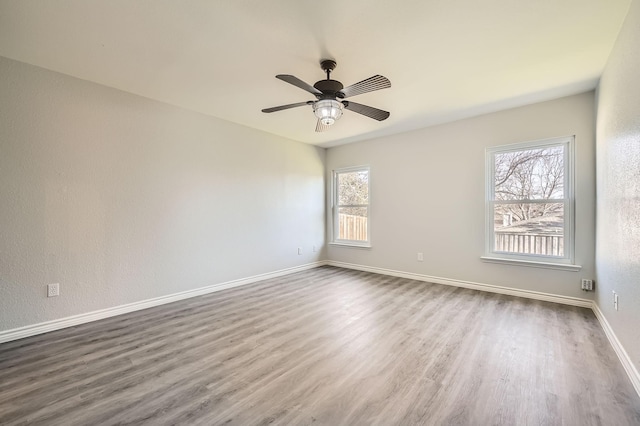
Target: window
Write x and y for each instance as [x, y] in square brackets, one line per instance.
[530, 203]
[351, 206]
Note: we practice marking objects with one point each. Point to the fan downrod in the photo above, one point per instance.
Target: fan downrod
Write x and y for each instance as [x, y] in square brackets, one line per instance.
[328, 65]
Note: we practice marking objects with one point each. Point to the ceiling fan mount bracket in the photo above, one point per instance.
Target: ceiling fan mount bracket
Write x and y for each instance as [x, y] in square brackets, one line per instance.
[328, 65]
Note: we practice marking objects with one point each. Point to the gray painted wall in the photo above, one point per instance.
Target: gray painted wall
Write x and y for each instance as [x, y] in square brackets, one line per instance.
[428, 189]
[618, 183]
[120, 198]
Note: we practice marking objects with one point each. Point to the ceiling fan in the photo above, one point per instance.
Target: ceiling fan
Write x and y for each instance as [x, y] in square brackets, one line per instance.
[329, 93]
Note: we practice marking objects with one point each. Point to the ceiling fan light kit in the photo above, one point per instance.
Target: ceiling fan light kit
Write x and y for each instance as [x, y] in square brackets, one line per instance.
[328, 111]
[327, 108]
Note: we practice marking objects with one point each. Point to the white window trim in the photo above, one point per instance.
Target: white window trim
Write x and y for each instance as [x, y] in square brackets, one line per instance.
[334, 209]
[549, 262]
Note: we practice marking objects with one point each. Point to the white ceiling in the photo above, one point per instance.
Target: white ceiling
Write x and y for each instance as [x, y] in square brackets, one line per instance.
[446, 59]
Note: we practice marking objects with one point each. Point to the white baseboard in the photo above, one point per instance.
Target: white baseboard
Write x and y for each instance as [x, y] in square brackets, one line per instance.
[565, 300]
[631, 370]
[44, 327]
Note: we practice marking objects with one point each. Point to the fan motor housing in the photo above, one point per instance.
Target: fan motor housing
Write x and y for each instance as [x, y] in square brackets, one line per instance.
[329, 86]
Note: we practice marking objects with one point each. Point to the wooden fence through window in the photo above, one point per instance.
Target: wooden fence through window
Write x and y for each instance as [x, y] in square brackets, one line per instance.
[547, 245]
[353, 227]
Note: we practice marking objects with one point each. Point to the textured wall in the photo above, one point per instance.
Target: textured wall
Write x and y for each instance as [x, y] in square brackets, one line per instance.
[119, 198]
[618, 183]
[428, 189]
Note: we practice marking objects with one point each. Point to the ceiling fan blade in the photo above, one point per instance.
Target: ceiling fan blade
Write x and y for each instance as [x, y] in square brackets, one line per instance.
[298, 83]
[281, 107]
[321, 127]
[377, 82]
[371, 112]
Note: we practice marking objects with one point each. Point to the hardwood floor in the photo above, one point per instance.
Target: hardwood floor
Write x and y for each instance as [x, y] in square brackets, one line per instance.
[326, 346]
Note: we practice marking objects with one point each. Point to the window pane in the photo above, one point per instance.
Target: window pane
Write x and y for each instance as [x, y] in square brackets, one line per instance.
[529, 228]
[353, 188]
[534, 174]
[352, 223]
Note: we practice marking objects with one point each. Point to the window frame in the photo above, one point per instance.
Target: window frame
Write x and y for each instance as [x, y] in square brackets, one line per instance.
[566, 262]
[335, 228]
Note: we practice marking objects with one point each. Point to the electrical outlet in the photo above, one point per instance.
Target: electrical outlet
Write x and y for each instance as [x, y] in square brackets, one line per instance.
[314, 249]
[53, 290]
[587, 284]
[299, 250]
[615, 300]
[420, 257]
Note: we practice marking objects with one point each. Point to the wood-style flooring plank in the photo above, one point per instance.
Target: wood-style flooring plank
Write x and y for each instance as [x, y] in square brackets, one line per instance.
[325, 346]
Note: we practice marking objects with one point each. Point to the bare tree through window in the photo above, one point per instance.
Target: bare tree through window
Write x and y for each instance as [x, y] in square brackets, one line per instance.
[529, 201]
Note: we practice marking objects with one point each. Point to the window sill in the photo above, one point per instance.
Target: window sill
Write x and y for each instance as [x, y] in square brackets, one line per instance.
[532, 264]
[354, 245]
